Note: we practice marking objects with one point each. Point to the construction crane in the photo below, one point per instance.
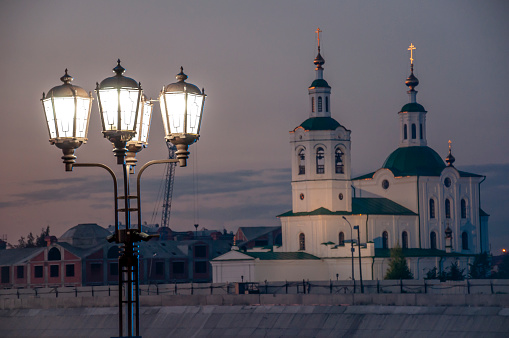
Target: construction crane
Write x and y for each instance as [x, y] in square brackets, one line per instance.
[168, 188]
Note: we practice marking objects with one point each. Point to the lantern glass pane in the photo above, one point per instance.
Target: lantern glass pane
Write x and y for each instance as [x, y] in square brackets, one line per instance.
[82, 114]
[109, 105]
[143, 127]
[194, 105]
[48, 110]
[64, 111]
[175, 105]
[128, 104]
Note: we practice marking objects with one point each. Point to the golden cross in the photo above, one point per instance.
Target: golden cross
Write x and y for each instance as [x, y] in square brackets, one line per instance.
[450, 145]
[318, 31]
[411, 48]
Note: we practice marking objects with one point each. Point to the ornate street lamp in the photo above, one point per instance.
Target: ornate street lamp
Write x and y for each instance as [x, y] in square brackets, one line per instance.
[119, 100]
[181, 109]
[67, 110]
[140, 140]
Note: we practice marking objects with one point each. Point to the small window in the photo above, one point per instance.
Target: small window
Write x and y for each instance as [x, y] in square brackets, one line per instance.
[339, 162]
[54, 254]
[327, 104]
[95, 269]
[385, 240]
[302, 242]
[320, 161]
[447, 182]
[114, 269]
[200, 251]
[447, 208]
[319, 104]
[54, 270]
[20, 272]
[385, 184]
[405, 132]
[38, 271]
[341, 240]
[404, 240]
[312, 104]
[431, 208]
[69, 270]
[420, 131]
[160, 268]
[302, 162]
[414, 131]
[6, 276]
[200, 267]
[463, 208]
[178, 268]
[433, 240]
[464, 241]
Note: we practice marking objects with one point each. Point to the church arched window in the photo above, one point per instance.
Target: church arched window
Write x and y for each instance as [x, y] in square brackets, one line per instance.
[319, 104]
[433, 240]
[405, 132]
[464, 241]
[431, 208]
[447, 208]
[54, 254]
[414, 131]
[302, 241]
[312, 104]
[341, 239]
[463, 208]
[385, 240]
[302, 161]
[320, 161]
[339, 161]
[420, 132]
[404, 240]
[327, 104]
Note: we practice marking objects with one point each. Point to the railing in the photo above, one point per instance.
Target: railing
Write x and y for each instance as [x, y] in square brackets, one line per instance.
[471, 286]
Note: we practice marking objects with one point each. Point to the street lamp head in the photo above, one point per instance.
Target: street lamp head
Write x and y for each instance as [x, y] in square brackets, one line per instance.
[181, 110]
[119, 100]
[140, 140]
[67, 111]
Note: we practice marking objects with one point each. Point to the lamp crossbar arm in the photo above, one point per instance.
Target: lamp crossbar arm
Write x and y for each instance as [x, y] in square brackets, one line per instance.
[115, 189]
[138, 181]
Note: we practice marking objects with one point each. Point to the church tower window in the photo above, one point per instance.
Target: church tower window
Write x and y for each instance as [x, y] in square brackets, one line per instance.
[385, 240]
[464, 241]
[339, 162]
[302, 241]
[463, 208]
[319, 104]
[405, 132]
[320, 161]
[420, 132]
[431, 208]
[414, 131]
[302, 162]
[327, 104]
[341, 239]
[404, 240]
[447, 208]
[433, 240]
[312, 104]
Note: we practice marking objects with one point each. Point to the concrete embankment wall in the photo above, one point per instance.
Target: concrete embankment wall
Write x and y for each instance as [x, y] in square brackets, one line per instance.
[263, 321]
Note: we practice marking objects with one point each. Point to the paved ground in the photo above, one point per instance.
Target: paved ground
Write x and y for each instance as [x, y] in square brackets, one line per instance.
[264, 321]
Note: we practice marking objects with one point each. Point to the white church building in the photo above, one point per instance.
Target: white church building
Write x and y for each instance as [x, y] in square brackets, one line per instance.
[416, 199]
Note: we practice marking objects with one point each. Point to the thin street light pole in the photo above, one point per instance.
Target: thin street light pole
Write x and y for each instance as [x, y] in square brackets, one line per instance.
[356, 227]
[351, 245]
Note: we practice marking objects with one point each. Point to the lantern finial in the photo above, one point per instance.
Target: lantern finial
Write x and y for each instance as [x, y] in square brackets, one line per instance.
[66, 78]
[119, 70]
[181, 77]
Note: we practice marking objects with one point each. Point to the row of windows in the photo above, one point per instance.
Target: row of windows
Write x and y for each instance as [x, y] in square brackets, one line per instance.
[320, 161]
[385, 240]
[463, 208]
[413, 130]
[319, 108]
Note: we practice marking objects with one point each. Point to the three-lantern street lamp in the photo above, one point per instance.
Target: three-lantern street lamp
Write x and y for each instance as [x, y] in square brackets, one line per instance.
[126, 114]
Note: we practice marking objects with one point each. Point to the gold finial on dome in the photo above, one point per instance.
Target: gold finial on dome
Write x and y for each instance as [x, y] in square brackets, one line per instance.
[411, 48]
[411, 80]
[319, 61]
[450, 159]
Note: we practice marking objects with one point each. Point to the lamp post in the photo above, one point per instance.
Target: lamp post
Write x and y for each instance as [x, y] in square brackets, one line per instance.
[352, 250]
[125, 115]
[356, 227]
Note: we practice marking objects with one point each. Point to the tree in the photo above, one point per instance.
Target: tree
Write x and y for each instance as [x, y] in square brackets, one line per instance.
[455, 273]
[503, 268]
[481, 267]
[398, 267]
[33, 242]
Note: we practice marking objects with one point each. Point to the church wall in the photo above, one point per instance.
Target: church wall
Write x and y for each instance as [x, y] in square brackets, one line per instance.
[233, 271]
[291, 270]
[394, 225]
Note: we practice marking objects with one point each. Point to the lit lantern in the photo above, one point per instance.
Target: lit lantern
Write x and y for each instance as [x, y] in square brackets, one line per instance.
[67, 110]
[119, 99]
[181, 109]
[140, 140]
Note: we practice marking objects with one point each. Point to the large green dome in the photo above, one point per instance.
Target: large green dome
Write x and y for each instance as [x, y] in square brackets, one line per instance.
[414, 161]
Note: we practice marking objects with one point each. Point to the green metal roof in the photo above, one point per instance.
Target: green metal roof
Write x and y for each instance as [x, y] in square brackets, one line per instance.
[483, 213]
[419, 253]
[280, 255]
[465, 174]
[370, 175]
[413, 107]
[360, 206]
[414, 161]
[319, 83]
[319, 123]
